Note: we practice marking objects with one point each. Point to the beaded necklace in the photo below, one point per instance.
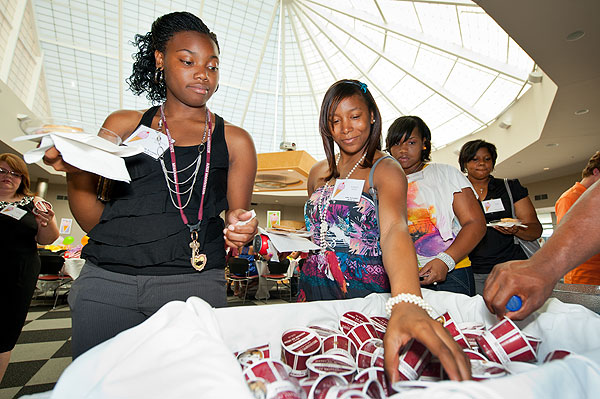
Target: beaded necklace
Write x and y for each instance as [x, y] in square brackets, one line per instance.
[323, 227]
[22, 201]
[198, 260]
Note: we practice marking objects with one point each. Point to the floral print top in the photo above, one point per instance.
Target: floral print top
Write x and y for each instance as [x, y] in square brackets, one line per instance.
[353, 239]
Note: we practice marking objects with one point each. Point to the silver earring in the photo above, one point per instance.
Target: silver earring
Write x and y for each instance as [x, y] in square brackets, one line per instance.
[158, 75]
[373, 121]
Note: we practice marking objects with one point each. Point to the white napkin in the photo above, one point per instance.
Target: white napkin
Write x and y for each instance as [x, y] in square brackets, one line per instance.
[84, 151]
[176, 353]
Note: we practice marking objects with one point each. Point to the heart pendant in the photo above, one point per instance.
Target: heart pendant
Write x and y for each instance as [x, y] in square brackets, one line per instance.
[198, 262]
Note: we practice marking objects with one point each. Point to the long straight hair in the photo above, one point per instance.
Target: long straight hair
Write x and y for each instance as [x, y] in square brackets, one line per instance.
[338, 92]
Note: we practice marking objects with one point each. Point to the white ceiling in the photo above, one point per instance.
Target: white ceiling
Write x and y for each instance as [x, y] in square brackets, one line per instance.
[446, 61]
[541, 28]
[86, 51]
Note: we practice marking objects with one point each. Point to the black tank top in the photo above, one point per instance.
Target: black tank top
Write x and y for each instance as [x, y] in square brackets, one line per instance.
[18, 235]
[141, 232]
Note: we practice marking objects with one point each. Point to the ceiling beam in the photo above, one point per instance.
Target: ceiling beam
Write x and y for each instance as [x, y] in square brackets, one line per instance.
[13, 37]
[120, 36]
[259, 63]
[363, 72]
[430, 41]
[463, 3]
[304, 64]
[35, 82]
[415, 74]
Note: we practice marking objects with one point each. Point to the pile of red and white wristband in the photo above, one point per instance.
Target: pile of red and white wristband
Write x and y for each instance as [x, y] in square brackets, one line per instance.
[346, 361]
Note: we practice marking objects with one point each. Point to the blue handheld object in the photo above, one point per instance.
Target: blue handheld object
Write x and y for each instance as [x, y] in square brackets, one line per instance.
[514, 304]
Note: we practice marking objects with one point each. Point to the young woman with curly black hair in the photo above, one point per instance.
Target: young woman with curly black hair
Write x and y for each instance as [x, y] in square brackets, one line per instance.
[140, 253]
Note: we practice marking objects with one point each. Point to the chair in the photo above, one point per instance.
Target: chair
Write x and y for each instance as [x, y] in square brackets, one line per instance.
[239, 271]
[281, 273]
[47, 282]
[51, 277]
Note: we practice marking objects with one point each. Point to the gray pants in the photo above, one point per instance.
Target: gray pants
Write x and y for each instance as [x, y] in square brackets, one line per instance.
[104, 303]
[480, 282]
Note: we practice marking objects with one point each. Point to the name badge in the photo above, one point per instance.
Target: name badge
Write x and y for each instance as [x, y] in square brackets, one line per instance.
[153, 142]
[493, 205]
[348, 190]
[13, 211]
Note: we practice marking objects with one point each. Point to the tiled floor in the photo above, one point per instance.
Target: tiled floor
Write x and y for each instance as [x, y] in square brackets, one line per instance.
[44, 348]
[42, 352]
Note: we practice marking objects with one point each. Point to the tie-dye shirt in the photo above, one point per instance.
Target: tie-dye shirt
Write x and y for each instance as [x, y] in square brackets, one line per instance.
[353, 235]
[431, 221]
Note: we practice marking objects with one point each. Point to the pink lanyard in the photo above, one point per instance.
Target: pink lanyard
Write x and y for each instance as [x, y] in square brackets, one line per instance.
[196, 226]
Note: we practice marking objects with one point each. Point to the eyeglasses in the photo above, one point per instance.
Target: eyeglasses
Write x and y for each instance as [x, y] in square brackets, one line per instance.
[10, 173]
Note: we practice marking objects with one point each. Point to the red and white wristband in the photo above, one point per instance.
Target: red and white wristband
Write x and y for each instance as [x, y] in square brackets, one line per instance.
[409, 298]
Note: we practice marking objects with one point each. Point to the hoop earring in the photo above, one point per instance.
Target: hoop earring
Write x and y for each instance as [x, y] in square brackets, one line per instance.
[158, 75]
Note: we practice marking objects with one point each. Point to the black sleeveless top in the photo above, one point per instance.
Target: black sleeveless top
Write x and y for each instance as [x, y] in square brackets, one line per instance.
[19, 235]
[141, 232]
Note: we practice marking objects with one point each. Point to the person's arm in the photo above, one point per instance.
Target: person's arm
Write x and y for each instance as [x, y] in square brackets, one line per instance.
[240, 183]
[399, 258]
[47, 228]
[472, 221]
[575, 240]
[525, 212]
[82, 186]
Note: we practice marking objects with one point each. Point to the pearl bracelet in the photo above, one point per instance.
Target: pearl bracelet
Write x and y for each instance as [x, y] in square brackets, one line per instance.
[447, 259]
[409, 298]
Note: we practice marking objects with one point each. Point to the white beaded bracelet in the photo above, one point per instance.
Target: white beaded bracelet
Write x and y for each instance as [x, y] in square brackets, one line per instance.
[447, 259]
[409, 298]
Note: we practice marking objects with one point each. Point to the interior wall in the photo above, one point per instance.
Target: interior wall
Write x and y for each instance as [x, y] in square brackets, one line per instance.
[553, 187]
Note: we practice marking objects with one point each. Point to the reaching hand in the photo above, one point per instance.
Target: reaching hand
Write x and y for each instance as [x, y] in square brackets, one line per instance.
[522, 278]
[410, 321]
[508, 230]
[235, 235]
[433, 272]
[53, 158]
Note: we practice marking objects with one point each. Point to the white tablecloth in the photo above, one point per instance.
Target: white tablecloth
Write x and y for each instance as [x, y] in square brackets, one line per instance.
[185, 350]
[73, 267]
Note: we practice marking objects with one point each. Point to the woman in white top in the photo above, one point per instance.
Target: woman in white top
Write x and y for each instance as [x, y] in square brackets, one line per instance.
[445, 220]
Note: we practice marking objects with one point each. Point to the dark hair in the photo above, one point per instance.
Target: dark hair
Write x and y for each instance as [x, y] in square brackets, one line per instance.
[19, 166]
[401, 130]
[593, 163]
[338, 92]
[470, 148]
[142, 78]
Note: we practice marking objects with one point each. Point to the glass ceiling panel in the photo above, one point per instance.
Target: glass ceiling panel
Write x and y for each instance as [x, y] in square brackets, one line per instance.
[446, 61]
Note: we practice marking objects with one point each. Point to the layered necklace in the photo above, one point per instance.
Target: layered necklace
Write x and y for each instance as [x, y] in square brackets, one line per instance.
[197, 260]
[324, 203]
